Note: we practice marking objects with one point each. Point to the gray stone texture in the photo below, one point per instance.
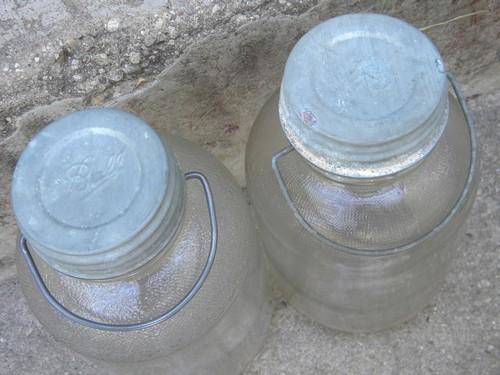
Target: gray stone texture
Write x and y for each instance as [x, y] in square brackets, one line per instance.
[202, 69]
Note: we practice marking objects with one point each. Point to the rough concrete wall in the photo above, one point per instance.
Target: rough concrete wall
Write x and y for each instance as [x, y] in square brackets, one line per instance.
[202, 69]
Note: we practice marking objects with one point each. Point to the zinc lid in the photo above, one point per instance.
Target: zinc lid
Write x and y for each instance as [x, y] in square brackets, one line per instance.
[364, 96]
[88, 187]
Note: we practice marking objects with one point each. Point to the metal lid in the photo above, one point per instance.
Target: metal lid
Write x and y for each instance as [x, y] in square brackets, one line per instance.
[93, 189]
[364, 96]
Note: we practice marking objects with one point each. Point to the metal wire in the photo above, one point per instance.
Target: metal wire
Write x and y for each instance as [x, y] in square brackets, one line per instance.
[37, 278]
[460, 203]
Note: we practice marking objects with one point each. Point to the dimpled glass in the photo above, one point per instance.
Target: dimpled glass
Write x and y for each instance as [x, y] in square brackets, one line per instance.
[218, 332]
[360, 254]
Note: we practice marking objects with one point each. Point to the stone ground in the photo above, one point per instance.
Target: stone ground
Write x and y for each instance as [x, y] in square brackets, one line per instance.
[202, 69]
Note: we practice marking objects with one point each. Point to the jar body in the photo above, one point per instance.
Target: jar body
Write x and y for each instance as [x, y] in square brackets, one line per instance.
[360, 256]
[217, 332]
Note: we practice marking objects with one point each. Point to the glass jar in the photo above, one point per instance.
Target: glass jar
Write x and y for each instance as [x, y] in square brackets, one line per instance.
[138, 250]
[361, 171]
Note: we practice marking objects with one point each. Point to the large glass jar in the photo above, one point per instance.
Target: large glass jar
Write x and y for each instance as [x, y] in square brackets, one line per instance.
[138, 250]
[361, 171]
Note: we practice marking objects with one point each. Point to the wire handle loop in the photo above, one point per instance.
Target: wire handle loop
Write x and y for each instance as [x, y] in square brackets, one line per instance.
[281, 183]
[23, 249]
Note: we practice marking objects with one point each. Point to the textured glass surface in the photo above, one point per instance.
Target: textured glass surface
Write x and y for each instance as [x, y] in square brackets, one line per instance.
[217, 332]
[321, 274]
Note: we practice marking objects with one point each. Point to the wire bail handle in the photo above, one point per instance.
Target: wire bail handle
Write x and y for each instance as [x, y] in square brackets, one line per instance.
[281, 183]
[37, 278]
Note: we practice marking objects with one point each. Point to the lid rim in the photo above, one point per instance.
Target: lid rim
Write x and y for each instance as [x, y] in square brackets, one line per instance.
[372, 169]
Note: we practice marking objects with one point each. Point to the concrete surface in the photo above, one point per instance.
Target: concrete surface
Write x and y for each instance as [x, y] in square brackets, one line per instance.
[203, 69]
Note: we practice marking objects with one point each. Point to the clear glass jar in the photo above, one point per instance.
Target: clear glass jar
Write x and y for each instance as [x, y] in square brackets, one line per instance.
[131, 263]
[361, 172]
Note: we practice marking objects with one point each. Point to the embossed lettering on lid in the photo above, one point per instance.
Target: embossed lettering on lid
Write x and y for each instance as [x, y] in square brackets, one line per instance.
[364, 95]
[87, 187]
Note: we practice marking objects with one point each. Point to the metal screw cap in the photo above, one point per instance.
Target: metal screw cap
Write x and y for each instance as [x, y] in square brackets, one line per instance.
[93, 189]
[364, 96]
